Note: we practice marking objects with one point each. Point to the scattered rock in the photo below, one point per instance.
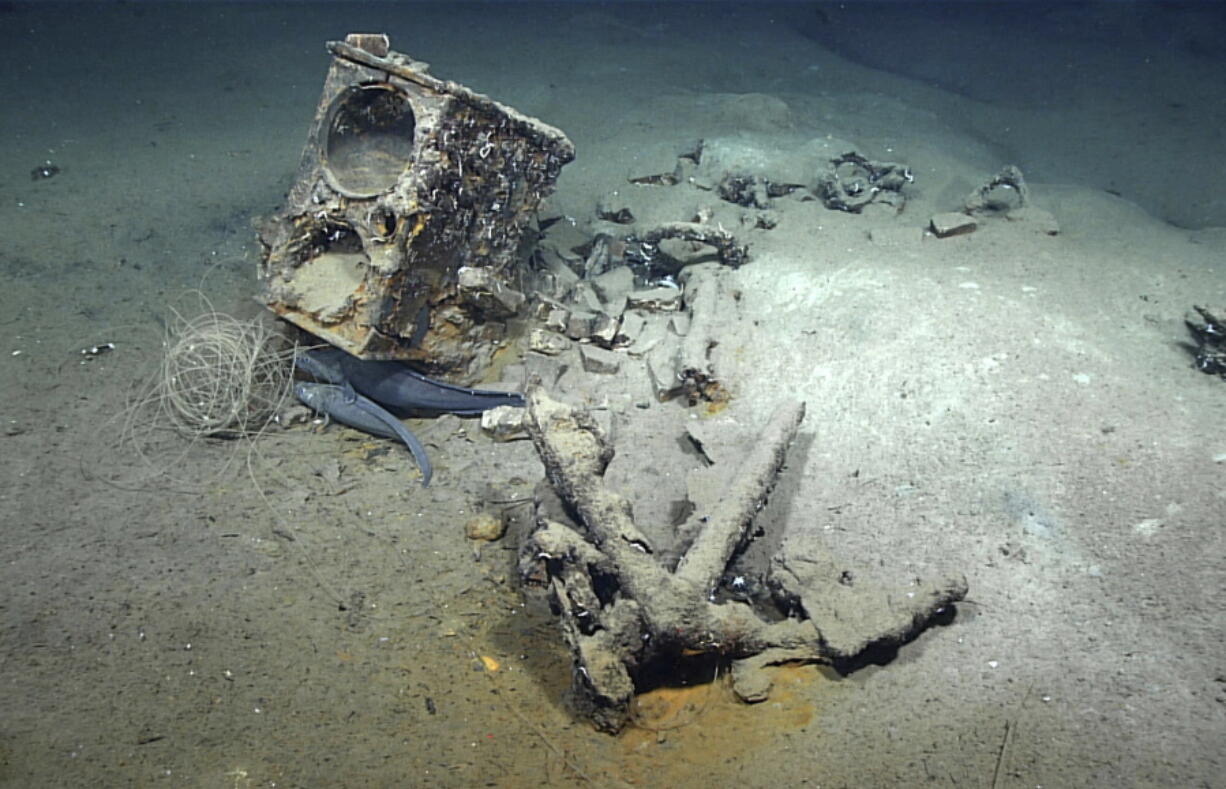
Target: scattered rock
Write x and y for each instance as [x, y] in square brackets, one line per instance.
[504, 423]
[485, 527]
[763, 220]
[1004, 192]
[614, 284]
[614, 208]
[583, 295]
[598, 360]
[630, 328]
[480, 286]
[547, 342]
[556, 319]
[750, 683]
[953, 223]
[659, 299]
[604, 330]
[1208, 329]
[663, 372]
[558, 267]
[580, 324]
[652, 333]
[291, 415]
[854, 182]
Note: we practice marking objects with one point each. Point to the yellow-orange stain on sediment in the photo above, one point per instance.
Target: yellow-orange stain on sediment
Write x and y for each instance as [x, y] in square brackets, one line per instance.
[708, 725]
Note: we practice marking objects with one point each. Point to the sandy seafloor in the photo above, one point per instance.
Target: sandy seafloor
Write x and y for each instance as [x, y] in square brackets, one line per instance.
[1007, 404]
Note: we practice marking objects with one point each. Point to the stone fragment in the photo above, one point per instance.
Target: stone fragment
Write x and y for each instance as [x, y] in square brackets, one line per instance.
[541, 306]
[559, 266]
[598, 360]
[1005, 192]
[663, 371]
[293, 414]
[547, 342]
[654, 331]
[660, 299]
[614, 284]
[616, 306]
[485, 527]
[762, 220]
[481, 287]
[952, 223]
[605, 329]
[583, 295]
[750, 682]
[628, 331]
[615, 208]
[504, 423]
[607, 251]
[557, 319]
[580, 324]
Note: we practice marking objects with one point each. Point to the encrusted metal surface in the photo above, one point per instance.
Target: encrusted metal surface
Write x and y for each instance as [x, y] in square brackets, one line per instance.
[404, 181]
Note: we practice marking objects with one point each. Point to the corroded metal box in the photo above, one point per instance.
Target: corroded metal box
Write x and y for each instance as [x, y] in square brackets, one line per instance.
[401, 232]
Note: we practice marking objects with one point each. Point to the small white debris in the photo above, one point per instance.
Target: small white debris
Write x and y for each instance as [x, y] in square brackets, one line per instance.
[503, 423]
[98, 350]
[1148, 527]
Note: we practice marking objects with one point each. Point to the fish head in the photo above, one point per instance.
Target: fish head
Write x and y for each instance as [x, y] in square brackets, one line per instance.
[310, 394]
[320, 364]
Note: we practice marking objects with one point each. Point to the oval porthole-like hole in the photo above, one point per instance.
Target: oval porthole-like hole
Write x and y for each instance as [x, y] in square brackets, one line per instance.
[368, 139]
[383, 222]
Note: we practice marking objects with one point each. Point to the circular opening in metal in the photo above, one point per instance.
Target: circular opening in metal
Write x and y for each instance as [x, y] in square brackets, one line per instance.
[369, 139]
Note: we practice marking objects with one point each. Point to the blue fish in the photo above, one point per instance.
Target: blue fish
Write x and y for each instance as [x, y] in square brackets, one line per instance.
[396, 386]
[342, 403]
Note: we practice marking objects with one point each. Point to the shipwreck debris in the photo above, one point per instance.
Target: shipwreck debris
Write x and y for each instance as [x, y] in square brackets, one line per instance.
[685, 367]
[1208, 330]
[625, 610]
[853, 182]
[400, 233]
[1003, 196]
